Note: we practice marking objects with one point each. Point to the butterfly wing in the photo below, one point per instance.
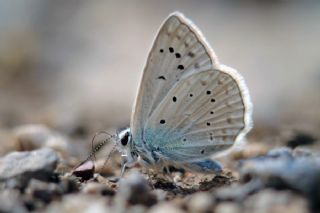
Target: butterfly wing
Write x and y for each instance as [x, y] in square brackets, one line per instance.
[202, 114]
[178, 51]
[188, 105]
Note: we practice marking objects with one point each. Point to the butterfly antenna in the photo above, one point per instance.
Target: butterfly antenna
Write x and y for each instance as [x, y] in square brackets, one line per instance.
[98, 147]
[108, 157]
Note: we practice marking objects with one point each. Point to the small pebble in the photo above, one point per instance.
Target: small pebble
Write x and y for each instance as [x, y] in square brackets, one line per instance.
[274, 201]
[302, 152]
[31, 137]
[137, 209]
[201, 202]
[85, 170]
[46, 192]
[160, 194]
[135, 189]
[228, 207]
[103, 168]
[97, 189]
[10, 201]
[301, 139]
[165, 208]
[79, 203]
[249, 151]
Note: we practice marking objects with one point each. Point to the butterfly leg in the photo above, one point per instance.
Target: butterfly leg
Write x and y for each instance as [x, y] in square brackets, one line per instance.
[125, 165]
[204, 166]
[167, 174]
[116, 179]
[123, 169]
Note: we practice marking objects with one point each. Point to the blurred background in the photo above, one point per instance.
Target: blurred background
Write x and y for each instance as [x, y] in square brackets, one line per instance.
[75, 65]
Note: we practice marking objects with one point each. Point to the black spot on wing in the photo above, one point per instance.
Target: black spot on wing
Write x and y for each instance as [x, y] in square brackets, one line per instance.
[174, 99]
[180, 67]
[162, 77]
[191, 54]
[211, 136]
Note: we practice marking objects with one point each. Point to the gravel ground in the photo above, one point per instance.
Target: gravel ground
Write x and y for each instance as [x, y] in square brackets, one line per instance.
[43, 176]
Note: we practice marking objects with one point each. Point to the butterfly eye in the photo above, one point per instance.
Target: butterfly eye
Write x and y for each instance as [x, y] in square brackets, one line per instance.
[125, 139]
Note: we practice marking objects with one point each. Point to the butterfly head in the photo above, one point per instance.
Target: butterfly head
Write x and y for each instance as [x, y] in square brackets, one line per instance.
[124, 144]
[124, 138]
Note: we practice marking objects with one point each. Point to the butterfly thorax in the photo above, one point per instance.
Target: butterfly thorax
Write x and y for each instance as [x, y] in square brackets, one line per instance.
[135, 151]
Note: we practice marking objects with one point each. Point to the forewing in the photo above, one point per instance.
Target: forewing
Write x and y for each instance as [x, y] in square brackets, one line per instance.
[179, 51]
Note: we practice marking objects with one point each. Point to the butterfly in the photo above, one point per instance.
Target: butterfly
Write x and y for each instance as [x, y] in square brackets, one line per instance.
[189, 106]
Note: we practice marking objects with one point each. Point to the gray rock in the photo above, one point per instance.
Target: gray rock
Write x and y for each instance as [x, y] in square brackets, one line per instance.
[300, 173]
[134, 190]
[282, 152]
[10, 201]
[43, 191]
[35, 136]
[239, 192]
[280, 169]
[274, 201]
[39, 194]
[17, 168]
